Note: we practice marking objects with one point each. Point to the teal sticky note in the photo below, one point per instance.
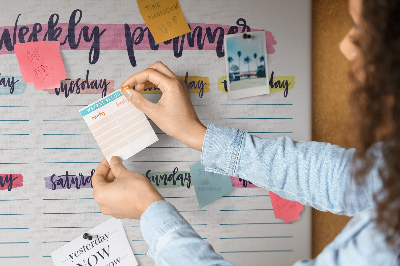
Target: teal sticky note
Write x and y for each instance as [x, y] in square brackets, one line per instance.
[209, 186]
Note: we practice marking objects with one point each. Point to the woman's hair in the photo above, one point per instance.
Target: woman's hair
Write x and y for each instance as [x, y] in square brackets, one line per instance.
[375, 102]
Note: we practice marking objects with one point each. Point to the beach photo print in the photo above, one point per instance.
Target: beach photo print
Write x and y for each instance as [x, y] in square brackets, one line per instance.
[246, 56]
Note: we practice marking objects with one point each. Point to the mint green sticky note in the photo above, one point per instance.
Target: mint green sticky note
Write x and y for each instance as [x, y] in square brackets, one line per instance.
[208, 186]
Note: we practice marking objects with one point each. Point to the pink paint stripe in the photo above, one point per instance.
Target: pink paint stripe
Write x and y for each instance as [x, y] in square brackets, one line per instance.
[10, 181]
[114, 37]
[241, 183]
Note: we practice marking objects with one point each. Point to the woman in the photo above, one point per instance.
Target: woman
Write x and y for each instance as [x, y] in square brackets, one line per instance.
[362, 182]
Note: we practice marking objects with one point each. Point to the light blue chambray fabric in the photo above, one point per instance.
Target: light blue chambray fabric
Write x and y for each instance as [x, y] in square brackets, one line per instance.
[312, 173]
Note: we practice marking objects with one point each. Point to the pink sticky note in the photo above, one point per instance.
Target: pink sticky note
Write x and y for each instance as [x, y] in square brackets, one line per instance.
[288, 211]
[41, 63]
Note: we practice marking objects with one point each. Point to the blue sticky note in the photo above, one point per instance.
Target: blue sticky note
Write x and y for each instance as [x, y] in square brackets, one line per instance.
[209, 186]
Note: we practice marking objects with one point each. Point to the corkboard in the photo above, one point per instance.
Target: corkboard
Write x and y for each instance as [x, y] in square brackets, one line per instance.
[331, 88]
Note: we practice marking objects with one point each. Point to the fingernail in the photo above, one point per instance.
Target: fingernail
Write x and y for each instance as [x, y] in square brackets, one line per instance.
[128, 93]
[115, 160]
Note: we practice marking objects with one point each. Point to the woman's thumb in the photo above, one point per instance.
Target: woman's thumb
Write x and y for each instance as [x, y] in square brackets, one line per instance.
[117, 167]
[138, 100]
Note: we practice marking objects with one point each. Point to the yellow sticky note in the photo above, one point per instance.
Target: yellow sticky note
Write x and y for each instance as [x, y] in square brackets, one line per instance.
[164, 18]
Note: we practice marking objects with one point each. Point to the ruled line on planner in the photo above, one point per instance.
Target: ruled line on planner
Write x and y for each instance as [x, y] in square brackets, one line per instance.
[14, 163]
[72, 199]
[254, 237]
[13, 214]
[139, 254]
[6, 106]
[198, 224]
[253, 251]
[14, 149]
[47, 256]
[246, 210]
[13, 257]
[12, 199]
[137, 240]
[6, 243]
[14, 120]
[60, 241]
[13, 228]
[15, 134]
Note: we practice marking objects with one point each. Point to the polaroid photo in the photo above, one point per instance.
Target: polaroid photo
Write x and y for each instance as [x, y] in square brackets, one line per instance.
[246, 56]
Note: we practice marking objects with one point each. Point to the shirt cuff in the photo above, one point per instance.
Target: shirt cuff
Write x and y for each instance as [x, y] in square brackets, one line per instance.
[222, 148]
[158, 219]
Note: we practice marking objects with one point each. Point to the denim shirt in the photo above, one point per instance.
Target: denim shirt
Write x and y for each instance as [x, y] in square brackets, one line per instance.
[312, 173]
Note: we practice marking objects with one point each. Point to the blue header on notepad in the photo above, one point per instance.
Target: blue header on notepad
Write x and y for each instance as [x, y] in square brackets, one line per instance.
[100, 103]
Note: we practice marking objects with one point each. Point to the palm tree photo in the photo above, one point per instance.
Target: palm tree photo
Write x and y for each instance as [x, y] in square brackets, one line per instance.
[255, 60]
[262, 59]
[247, 60]
[230, 60]
[239, 53]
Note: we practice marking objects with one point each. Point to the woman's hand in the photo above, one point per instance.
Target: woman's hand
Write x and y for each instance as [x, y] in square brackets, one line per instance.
[128, 196]
[173, 113]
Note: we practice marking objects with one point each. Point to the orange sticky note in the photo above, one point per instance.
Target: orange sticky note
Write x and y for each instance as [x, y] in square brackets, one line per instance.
[288, 211]
[164, 18]
[41, 63]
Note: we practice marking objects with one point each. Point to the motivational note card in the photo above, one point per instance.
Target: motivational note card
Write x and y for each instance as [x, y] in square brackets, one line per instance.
[41, 63]
[209, 186]
[164, 18]
[118, 126]
[287, 210]
[108, 246]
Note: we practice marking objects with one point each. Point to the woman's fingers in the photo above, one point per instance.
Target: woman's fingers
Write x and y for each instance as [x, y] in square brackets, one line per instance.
[160, 67]
[142, 86]
[99, 180]
[149, 75]
[117, 167]
[99, 176]
[110, 177]
[140, 102]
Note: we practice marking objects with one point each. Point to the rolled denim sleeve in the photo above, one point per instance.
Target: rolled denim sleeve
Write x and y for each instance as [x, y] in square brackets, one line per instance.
[172, 240]
[312, 173]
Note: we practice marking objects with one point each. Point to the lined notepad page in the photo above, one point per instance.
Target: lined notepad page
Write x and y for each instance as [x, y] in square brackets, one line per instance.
[118, 126]
[50, 152]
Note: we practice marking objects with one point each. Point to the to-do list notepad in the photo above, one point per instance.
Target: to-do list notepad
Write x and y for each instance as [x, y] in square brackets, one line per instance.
[118, 126]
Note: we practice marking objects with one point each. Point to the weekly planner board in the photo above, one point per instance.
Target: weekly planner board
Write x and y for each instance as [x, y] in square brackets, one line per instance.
[48, 153]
